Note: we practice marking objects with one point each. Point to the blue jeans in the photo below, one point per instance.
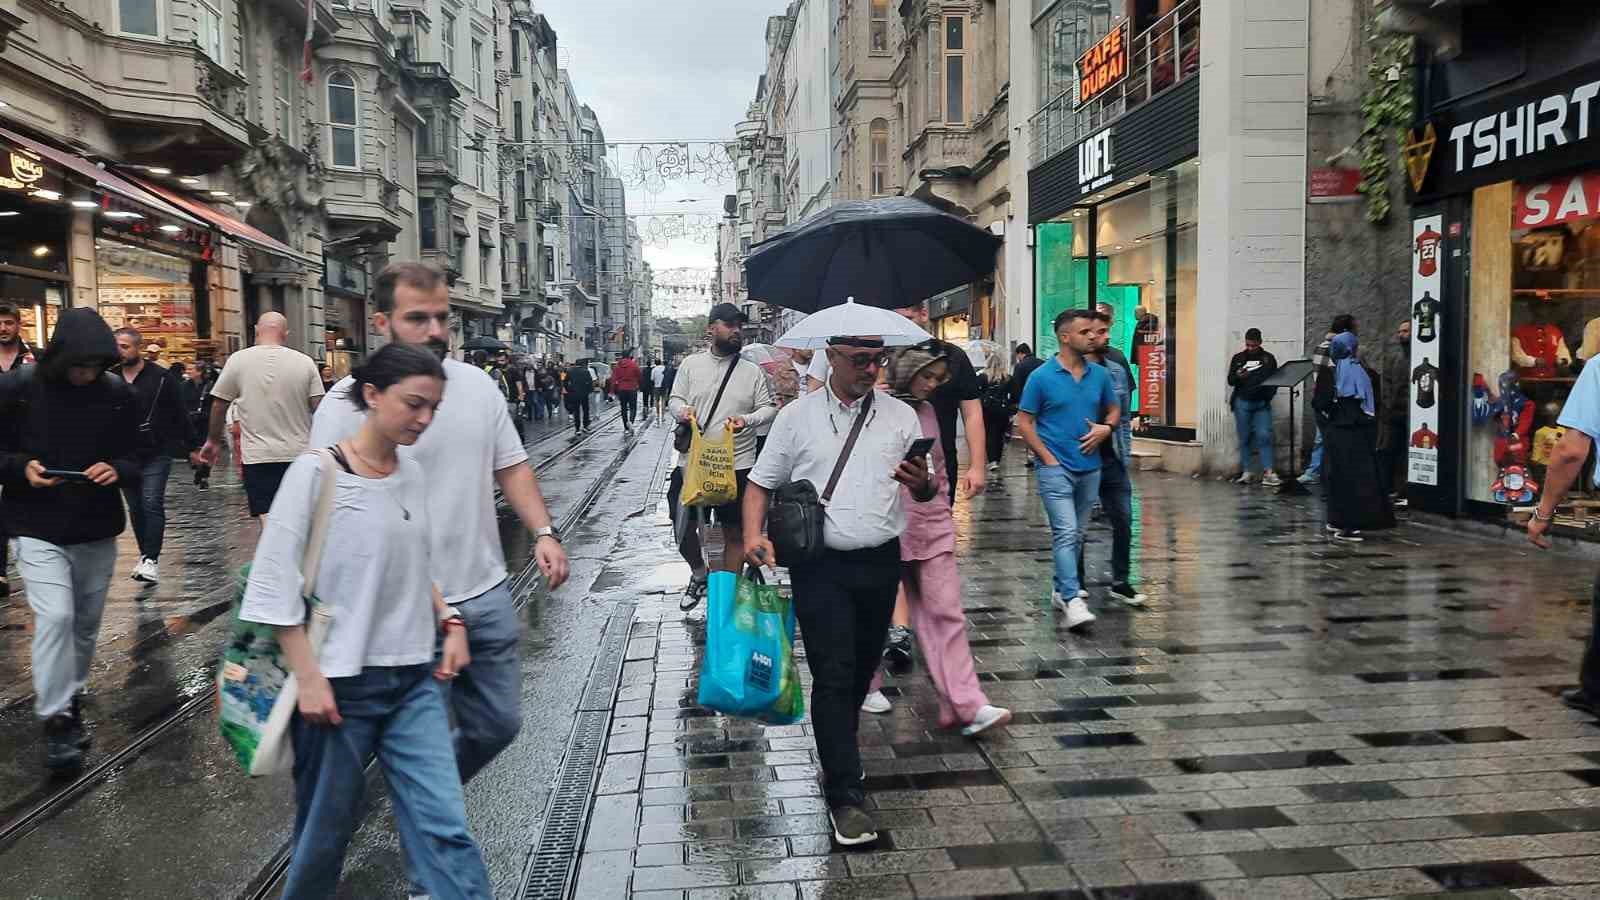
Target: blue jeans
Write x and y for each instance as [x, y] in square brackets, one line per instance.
[536, 406]
[1068, 497]
[1116, 498]
[1315, 468]
[398, 714]
[147, 505]
[486, 698]
[1254, 422]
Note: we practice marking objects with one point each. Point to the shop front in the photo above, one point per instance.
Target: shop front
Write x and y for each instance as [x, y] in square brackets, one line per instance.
[1115, 225]
[35, 229]
[344, 311]
[158, 283]
[1505, 293]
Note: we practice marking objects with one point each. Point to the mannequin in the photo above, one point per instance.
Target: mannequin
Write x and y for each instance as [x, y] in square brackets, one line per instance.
[1538, 348]
[1513, 422]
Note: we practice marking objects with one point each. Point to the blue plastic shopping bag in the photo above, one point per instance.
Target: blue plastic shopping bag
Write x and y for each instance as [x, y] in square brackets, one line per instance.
[748, 669]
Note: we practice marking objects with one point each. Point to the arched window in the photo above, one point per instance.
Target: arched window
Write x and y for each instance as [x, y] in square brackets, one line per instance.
[344, 130]
[879, 131]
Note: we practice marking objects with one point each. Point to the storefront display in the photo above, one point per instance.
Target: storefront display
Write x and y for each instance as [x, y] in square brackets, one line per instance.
[150, 291]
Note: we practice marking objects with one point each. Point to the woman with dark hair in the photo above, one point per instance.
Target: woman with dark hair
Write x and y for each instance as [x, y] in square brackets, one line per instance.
[371, 689]
[1346, 406]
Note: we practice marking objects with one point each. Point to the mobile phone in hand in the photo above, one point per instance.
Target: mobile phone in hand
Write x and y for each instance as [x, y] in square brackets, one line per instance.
[919, 448]
[68, 474]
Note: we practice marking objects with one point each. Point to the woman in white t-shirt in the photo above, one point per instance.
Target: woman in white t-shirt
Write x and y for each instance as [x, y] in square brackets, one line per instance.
[373, 689]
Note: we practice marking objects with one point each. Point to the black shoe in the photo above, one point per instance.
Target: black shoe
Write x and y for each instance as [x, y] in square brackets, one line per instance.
[900, 649]
[695, 592]
[76, 712]
[1580, 701]
[62, 737]
[852, 826]
[5, 588]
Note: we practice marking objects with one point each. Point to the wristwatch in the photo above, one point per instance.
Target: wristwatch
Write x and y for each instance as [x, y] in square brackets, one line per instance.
[548, 531]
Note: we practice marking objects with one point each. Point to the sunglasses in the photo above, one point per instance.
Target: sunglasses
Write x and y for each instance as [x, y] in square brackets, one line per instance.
[866, 360]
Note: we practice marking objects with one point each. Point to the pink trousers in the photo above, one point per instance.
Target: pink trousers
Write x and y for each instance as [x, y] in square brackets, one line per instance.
[933, 591]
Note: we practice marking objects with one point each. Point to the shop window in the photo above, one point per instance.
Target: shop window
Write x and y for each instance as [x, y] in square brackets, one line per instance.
[344, 130]
[879, 26]
[140, 17]
[880, 157]
[1535, 324]
[955, 70]
[150, 291]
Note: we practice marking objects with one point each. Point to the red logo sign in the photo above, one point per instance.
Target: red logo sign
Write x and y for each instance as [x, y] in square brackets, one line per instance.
[1104, 65]
[1335, 184]
[1559, 200]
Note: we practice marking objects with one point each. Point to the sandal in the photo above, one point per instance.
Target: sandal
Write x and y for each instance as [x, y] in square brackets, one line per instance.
[694, 593]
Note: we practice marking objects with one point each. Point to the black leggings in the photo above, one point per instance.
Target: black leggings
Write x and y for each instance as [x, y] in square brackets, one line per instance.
[579, 408]
[630, 405]
[996, 424]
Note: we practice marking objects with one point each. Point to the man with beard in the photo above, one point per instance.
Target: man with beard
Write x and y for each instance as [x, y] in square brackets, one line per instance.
[164, 433]
[471, 447]
[14, 352]
[720, 390]
[66, 415]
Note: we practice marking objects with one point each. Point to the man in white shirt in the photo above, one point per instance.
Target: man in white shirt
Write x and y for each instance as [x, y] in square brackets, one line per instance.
[658, 380]
[277, 389]
[744, 406]
[844, 599]
[471, 447]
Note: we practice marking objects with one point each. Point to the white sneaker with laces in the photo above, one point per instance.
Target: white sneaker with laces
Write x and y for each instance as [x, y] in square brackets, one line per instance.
[138, 570]
[987, 718]
[994, 467]
[146, 571]
[876, 703]
[1078, 614]
[1243, 479]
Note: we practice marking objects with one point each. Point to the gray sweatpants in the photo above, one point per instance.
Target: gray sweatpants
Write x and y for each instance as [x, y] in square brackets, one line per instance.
[66, 589]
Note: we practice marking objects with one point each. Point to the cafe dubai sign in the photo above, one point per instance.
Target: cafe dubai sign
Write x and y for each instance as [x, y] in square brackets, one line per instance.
[1105, 64]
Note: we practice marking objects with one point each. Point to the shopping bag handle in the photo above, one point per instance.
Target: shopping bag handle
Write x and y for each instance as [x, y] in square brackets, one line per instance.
[753, 573]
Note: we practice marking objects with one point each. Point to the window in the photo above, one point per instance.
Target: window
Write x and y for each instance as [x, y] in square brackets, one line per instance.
[880, 157]
[549, 263]
[447, 36]
[521, 196]
[516, 52]
[477, 67]
[516, 120]
[285, 100]
[344, 139]
[141, 17]
[208, 30]
[425, 134]
[485, 258]
[428, 222]
[522, 263]
[391, 150]
[482, 151]
[955, 70]
[880, 26]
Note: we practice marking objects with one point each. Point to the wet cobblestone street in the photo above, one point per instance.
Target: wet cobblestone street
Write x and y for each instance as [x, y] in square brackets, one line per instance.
[1289, 718]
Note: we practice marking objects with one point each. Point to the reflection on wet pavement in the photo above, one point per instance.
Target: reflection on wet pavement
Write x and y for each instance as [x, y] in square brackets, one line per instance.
[1289, 718]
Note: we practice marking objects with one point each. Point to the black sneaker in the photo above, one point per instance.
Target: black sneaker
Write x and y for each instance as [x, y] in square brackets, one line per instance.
[62, 751]
[1580, 701]
[76, 712]
[852, 827]
[900, 649]
[1127, 594]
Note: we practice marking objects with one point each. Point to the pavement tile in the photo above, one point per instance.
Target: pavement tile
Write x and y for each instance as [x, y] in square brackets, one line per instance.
[1288, 887]
[1185, 868]
[1569, 869]
[966, 883]
[886, 887]
[747, 892]
[898, 862]
[1375, 883]
[795, 868]
[689, 876]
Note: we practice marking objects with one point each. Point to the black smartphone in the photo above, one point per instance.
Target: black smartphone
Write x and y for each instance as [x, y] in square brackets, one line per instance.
[920, 447]
[68, 474]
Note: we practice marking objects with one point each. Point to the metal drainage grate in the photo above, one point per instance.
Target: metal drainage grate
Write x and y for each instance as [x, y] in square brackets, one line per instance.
[601, 692]
[551, 866]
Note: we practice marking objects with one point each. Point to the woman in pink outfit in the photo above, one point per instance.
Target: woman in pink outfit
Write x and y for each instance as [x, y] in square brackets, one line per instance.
[929, 575]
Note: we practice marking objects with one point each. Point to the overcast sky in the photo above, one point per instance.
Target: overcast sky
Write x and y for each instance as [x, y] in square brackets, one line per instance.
[654, 70]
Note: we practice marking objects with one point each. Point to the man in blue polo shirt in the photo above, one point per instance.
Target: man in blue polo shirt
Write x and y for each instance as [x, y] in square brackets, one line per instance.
[1068, 409]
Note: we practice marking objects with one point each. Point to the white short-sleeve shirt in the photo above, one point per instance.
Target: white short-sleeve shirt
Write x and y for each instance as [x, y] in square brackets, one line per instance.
[471, 438]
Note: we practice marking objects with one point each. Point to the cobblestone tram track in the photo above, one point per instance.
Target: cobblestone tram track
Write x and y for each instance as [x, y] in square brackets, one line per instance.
[28, 811]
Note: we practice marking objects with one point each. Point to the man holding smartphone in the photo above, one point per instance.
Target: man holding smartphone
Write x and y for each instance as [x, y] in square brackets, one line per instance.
[74, 430]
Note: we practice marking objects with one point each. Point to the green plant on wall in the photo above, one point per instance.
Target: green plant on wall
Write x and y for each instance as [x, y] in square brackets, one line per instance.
[1387, 110]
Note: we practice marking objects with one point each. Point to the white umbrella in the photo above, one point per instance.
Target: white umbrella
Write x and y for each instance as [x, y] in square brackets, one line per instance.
[852, 319]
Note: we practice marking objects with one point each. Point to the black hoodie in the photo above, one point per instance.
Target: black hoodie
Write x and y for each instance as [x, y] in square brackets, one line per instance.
[64, 426]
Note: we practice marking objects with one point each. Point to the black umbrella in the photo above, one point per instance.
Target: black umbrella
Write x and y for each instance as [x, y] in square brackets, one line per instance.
[485, 343]
[889, 252]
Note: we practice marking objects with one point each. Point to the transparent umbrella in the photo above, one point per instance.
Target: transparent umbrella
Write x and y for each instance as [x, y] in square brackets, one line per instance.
[980, 352]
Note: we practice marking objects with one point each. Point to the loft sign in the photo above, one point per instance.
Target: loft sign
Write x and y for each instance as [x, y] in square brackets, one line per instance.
[1095, 166]
[1524, 130]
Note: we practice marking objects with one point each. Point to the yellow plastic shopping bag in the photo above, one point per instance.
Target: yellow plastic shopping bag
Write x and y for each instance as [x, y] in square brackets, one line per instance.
[708, 475]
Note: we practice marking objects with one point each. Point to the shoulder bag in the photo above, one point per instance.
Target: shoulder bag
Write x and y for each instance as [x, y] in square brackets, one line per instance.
[258, 693]
[795, 520]
[683, 435]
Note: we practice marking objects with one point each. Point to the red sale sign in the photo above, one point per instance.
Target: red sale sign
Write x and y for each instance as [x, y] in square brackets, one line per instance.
[1152, 360]
[1560, 200]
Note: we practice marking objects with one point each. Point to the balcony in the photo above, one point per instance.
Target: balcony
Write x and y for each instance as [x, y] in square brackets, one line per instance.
[1167, 53]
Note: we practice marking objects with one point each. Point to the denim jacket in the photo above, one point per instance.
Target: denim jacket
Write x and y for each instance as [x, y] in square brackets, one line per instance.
[1121, 443]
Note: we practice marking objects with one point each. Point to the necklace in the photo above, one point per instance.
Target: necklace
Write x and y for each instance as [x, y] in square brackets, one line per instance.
[384, 480]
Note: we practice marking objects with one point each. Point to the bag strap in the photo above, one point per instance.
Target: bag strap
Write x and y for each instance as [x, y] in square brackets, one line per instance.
[156, 402]
[312, 561]
[727, 377]
[849, 444]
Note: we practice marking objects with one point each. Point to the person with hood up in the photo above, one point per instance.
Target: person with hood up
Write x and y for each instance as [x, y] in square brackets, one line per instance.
[1347, 412]
[66, 414]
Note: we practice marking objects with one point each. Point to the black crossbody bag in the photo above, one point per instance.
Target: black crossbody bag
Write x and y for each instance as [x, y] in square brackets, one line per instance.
[683, 434]
[795, 520]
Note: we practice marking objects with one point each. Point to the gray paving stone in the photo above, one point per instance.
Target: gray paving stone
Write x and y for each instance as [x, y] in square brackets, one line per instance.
[1376, 883]
[796, 868]
[1568, 869]
[886, 887]
[898, 862]
[966, 883]
[1185, 868]
[1287, 887]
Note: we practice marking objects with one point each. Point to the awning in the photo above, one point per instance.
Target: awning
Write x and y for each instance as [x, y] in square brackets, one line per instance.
[102, 178]
[244, 233]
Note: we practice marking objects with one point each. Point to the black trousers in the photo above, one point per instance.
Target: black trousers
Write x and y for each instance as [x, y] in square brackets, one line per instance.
[1589, 675]
[996, 425]
[579, 407]
[843, 602]
[630, 405]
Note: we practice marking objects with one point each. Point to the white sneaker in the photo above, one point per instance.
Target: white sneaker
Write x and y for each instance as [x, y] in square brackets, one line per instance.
[1271, 479]
[987, 718]
[876, 703]
[1083, 593]
[1078, 614]
[138, 570]
[1127, 594]
[1244, 478]
[994, 467]
[146, 571]
[1060, 604]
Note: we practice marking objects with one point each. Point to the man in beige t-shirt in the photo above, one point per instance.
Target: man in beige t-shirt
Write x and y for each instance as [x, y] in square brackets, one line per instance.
[276, 390]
